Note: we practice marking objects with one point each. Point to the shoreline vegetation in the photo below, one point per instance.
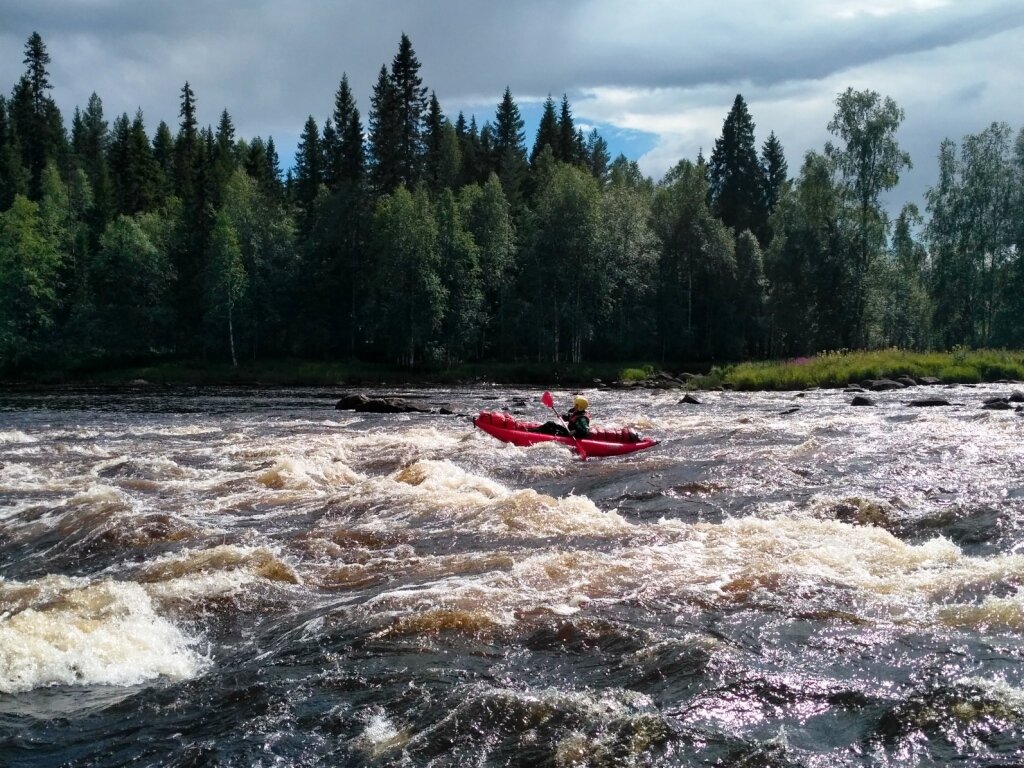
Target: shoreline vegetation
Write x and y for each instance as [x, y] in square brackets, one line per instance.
[825, 370]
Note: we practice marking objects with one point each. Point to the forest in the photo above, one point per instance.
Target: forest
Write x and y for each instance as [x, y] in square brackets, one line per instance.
[420, 240]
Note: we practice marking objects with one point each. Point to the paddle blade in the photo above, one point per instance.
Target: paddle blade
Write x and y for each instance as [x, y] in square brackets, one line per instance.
[546, 399]
[580, 451]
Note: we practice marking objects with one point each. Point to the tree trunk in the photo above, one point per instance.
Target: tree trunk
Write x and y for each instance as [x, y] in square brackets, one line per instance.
[231, 338]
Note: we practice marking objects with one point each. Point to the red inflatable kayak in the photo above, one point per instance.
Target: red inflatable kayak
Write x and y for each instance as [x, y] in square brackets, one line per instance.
[602, 442]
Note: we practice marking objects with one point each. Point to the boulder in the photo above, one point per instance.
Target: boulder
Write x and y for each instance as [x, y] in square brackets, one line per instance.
[689, 400]
[363, 404]
[1016, 396]
[997, 405]
[861, 400]
[906, 381]
[884, 385]
[929, 402]
[928, 381]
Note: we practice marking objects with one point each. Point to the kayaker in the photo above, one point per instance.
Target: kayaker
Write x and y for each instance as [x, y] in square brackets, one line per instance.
[578, 418]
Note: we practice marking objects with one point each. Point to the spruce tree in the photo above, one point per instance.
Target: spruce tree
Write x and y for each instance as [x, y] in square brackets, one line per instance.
[736, 188]
[133, 168]
[567, 143]
[90, 140]
[509, 148]
[163, 153]
[11, 174]
[185, 146]
[308, 169]
[547, 131]
[598, 157]
[224, 161]
[775, 170]
[410, 111]
[37, 120]
[469, 144]
[385, 166]
[347, 160]
[444, 157]
[329, 145]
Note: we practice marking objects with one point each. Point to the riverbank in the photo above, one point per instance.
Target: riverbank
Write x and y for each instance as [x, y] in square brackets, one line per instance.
[830, 369]
[838, 369]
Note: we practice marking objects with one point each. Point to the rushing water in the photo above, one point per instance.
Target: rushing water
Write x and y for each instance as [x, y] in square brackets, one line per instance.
[251, 578]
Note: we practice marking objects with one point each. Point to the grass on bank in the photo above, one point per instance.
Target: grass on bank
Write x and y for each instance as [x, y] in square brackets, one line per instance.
[836, 369]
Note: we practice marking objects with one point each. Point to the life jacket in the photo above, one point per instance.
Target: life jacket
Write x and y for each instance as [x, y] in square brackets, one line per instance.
[573, 415]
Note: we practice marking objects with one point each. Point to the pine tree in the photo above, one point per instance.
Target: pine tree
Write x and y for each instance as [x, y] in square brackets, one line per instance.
[736, 188]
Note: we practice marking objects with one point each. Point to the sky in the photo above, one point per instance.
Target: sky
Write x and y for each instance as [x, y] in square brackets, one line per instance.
[655, 77]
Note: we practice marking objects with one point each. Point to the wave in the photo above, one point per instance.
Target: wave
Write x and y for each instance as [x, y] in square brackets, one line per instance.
[64, 631]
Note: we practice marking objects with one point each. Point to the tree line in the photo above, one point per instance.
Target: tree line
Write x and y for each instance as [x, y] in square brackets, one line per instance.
[420, 240]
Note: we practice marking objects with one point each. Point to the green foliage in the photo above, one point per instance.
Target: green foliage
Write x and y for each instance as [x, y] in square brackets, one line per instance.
[30, 264]
[737, 183]
[410, 299]
[633, 374]
[127, 312]
[226, 281]
[836, 369]
[445, 247]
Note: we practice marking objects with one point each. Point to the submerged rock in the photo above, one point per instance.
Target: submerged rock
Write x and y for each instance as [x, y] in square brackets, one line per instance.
[997, 404]
[929, 402]
[689, 400]
[364, 404]
[861, 400]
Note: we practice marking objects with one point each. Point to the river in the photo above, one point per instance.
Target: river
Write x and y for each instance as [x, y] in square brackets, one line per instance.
[251, 578]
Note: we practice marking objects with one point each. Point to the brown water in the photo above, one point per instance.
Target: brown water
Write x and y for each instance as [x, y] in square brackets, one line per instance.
[249, 577]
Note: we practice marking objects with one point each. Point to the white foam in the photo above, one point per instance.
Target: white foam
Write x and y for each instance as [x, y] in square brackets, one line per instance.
[294, 473]
[380, 735]
[73, 632]
[16, 436]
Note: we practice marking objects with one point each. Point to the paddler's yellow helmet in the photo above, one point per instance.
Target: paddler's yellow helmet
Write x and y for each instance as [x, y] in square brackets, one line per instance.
[581, 403]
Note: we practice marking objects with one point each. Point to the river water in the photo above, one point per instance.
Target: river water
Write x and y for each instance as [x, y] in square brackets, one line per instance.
[251, 578]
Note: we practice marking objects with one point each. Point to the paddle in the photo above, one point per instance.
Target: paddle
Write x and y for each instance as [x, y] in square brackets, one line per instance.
[546, 399]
